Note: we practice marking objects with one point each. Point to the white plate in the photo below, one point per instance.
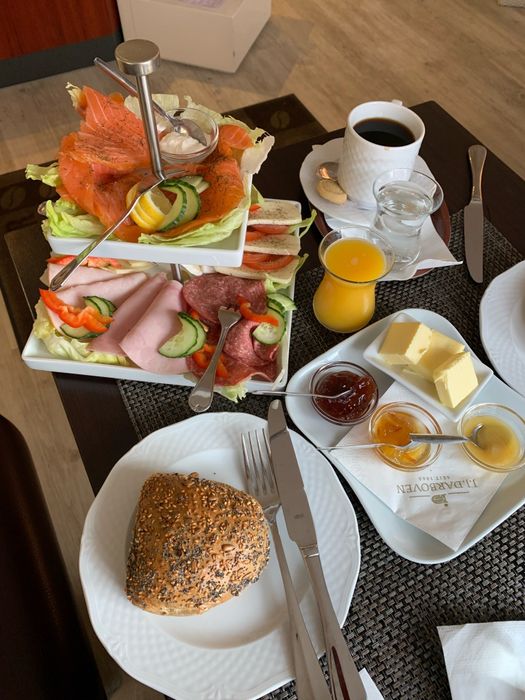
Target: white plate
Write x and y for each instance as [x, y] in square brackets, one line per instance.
[407, 540]
[348, 212]
[502, 325]
[240, 649]
[420, 386]
[36, 356]
[225, 253]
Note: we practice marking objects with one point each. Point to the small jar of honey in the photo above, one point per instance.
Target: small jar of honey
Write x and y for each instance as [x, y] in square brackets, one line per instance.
[500, 440]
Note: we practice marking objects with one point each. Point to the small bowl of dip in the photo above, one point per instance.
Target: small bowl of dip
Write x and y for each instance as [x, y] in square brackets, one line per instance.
[501, 439]
[183, 148]
[336, 377]
[392, 423]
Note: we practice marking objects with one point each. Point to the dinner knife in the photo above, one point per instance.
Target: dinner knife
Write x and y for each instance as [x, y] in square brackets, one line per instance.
[345, 681]
[473, 215]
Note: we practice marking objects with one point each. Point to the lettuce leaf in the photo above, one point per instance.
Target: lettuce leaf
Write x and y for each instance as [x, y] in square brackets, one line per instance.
[69, 348]
[68, 220]
[234, 393]
[46, 174]
[304, 226]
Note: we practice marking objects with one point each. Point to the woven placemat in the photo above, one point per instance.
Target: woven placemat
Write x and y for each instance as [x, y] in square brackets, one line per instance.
[397, 605]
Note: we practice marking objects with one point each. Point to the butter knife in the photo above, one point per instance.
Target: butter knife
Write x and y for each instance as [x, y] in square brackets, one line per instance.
[344, 678]
[473, 215]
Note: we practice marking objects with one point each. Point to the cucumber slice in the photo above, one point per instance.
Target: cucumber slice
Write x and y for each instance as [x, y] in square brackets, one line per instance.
[81, 333]
[193, 202]
[104, 306]
[188, 340]
[197, 181]
[269, 334]
[282, 300]
[176, 214]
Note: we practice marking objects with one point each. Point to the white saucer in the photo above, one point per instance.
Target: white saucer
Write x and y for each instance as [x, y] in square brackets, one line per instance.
[350, 212]
[502, 325]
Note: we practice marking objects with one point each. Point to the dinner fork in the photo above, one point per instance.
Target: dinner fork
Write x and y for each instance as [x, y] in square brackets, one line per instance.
[310, 682]
[201, 395]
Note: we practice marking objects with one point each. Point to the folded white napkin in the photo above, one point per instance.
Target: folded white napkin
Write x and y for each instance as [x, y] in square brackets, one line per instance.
[444, 499]
[485, 661]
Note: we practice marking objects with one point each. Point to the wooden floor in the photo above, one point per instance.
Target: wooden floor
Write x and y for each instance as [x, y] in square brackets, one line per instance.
[465, 54]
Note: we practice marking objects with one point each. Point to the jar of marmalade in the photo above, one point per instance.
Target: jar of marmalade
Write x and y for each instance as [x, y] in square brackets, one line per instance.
[337, 377]
[393, 423]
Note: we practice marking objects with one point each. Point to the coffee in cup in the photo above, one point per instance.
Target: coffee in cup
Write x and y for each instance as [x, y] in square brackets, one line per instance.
[379, 136]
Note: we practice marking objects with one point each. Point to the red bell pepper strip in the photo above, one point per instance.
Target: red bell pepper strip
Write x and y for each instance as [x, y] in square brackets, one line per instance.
[246, 311]
[89, 318]
[90, 261]
[202, 359]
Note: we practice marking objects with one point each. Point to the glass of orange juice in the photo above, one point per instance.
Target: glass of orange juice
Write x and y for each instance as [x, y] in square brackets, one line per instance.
[354, 259]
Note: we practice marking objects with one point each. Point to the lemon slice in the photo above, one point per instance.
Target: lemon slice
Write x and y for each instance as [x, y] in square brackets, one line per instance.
[151, 209]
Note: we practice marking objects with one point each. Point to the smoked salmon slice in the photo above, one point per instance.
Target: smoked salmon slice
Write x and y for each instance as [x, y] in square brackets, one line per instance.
[224, 194]
[98, 164]
[233, 140]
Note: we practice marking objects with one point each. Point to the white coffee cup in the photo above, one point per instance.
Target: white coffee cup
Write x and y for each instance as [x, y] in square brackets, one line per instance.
[362, 161]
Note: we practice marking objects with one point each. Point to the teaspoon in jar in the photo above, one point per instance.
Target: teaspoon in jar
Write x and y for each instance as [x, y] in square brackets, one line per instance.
[268, 392]
[415, 440]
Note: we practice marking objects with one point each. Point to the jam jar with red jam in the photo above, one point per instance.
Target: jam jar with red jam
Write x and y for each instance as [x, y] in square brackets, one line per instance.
[336, 377]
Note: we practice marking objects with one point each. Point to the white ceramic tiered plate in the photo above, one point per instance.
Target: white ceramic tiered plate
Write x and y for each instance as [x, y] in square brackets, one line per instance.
[225, 253]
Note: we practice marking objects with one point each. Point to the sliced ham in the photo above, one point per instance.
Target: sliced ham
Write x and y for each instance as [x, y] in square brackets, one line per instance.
[116, 290]
[158, 323]
[207, 293]
[82, 275]
[127, 315]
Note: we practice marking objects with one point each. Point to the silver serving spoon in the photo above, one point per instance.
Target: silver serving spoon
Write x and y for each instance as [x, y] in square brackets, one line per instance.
[201, 395]
[181, 126]
[328, 170]
[269, 392]
[415, 440]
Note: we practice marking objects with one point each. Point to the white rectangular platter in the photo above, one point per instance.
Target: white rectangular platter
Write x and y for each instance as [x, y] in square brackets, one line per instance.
[225, 253]
[405, 539]
[36, 356]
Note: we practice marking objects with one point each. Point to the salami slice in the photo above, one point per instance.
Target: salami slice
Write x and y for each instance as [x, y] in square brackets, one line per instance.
[207, 293]
[128, 314]
[239, 344]
[158, 323]
[239, 372]
[267, 353]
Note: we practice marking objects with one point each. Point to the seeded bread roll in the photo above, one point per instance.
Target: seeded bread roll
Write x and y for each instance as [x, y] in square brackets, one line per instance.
[196, 543]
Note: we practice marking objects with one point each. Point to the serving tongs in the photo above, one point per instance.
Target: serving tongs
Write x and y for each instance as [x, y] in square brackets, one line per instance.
[187, 127]
[137, 57]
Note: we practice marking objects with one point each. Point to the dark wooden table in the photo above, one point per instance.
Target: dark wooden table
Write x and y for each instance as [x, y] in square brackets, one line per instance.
[103, 436]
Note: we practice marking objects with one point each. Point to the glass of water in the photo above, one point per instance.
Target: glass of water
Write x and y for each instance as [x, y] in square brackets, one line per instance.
[405, 198]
